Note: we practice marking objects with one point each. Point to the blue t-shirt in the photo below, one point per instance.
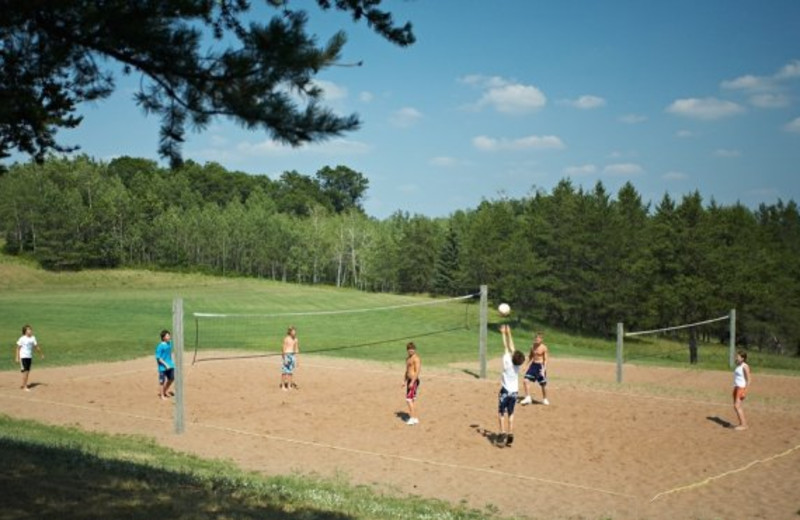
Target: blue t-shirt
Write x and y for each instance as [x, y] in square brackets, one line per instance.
[164, 353]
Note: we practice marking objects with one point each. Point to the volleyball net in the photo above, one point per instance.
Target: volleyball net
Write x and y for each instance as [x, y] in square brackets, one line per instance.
[361, 332]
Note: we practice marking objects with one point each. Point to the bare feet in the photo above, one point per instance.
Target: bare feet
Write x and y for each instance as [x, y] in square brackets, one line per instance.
[740, 428]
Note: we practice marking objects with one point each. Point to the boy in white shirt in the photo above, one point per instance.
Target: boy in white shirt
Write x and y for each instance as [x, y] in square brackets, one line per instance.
[26, 344]
[512, 360]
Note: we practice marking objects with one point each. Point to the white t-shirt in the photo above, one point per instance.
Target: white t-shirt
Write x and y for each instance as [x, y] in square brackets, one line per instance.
[738, 377]
[510, 377]
[26, 345]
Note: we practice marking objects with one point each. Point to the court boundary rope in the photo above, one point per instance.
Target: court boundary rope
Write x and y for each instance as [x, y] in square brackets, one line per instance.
[332, 447]
[723, 475]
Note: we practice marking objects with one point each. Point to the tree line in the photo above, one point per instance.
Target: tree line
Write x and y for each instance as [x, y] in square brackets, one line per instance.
[578, 259]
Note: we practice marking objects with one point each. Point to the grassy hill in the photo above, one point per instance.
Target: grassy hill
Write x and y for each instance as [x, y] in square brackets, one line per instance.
[107, 315]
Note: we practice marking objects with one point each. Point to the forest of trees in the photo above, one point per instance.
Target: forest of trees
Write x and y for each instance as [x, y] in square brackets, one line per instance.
[577, 259]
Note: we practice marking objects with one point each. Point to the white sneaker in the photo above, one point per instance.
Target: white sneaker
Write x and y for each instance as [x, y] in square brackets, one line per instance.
[412, 421]
[545, 402]
[527, 400]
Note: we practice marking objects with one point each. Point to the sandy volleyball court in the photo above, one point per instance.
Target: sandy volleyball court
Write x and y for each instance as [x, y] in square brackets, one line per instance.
[654, 447]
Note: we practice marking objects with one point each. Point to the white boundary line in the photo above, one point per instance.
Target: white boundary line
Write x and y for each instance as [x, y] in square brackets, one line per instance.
[723, 475]
[332, 447]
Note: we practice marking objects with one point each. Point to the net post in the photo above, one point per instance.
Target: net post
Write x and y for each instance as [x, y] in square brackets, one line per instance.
[732, 339]
[482, 335]
[620, 335]
[177, 344]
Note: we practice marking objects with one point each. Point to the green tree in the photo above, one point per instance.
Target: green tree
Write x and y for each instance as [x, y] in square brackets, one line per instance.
[447, 270]
[343, 187]
[52, 50]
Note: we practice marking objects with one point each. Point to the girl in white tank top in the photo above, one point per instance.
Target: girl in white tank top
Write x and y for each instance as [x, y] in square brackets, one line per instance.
[741, 380]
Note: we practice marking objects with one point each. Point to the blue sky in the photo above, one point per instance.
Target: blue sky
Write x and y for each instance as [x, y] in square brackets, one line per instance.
[501, 98]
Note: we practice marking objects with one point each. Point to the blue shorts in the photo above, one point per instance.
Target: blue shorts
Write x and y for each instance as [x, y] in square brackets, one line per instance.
[166, 375]
[506, 401]
[536, 373]
[288, 364]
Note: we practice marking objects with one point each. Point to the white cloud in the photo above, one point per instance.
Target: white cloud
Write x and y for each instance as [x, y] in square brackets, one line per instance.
[331, 91]
[790, 70]
[623, 169]
[793, 126]
[444, 161]
[484, 82]
[706, 109]
[405, 117]
[753, 83]
[490, 144]
[632, 119]
[684, 134]
[748, 82]
[366, 97]
[769, 100]
[724, 152]
[586, 102]
[577, 171]
[514, 99]
[674, 176]
[506, 96]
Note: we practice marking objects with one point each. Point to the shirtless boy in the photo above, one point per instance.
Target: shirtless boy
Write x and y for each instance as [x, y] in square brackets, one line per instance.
[411, 381]
[537, 370]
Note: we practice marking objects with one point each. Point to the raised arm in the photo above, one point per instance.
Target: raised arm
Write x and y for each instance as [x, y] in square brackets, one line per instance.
[508, 340]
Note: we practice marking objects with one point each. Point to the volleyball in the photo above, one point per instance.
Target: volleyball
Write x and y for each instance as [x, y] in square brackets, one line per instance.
[504, 309]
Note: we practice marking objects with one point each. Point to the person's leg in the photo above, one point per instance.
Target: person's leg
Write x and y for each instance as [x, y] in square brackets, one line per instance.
[510, 436]
[412, 417]
[25, 380]
[526, 387]
[544, 394]
[737, 407]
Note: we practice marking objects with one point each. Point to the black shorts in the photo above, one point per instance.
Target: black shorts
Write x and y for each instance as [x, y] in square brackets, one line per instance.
[25, 364]
[166, 375]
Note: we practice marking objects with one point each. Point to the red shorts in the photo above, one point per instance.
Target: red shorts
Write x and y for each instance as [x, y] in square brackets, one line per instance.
[739, 392]
[412, 389]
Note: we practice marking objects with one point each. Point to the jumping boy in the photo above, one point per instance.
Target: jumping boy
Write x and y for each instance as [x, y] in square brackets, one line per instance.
[166, 365]
[512, 360]
[289, 352]
[411, 381]
[26, 344]
[537, 370]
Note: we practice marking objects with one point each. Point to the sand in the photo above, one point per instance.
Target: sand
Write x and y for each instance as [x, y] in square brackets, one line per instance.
[657, 446]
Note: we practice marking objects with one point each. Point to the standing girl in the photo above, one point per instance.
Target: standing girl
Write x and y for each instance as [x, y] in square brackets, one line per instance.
[741, 380]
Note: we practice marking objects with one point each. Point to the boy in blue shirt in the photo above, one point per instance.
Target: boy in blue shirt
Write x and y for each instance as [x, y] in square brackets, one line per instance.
[166, 366]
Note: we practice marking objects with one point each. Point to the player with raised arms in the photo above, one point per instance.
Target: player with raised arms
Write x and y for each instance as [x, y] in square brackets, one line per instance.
[509, 389]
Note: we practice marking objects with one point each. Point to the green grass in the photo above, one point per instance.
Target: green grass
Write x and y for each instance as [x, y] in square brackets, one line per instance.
[94, 316]
[65, 473]
[109, 315]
